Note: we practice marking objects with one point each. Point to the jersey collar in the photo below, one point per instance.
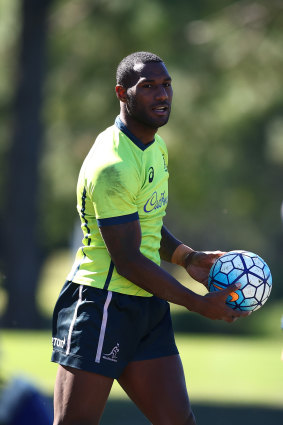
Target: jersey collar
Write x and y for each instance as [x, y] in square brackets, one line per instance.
[119, 123]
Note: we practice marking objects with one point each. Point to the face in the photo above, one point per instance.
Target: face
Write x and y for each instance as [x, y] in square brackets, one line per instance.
[148, 101]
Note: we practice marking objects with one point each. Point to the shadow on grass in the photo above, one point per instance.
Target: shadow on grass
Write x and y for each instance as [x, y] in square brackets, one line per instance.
[124, 412]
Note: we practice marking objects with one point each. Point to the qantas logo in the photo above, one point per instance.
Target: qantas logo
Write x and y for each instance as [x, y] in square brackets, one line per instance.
[155, 202]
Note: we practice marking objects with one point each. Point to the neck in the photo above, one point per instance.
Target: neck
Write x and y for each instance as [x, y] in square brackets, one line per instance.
[144, 133]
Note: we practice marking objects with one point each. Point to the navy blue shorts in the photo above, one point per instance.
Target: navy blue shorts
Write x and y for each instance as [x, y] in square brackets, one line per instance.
[102, 331]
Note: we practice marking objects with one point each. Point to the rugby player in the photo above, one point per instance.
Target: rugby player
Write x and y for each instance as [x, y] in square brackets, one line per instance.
[112, 319]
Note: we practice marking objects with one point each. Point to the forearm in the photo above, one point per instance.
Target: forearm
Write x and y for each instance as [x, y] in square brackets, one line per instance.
[123, 243]
[149, 276]
[173, 250]
[168, 244]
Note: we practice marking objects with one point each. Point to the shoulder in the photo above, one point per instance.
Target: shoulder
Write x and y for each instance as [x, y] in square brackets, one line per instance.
[111, 163]
[106, 152]
[161, 144]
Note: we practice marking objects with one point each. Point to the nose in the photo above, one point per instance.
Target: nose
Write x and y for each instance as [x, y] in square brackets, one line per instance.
[161, 93]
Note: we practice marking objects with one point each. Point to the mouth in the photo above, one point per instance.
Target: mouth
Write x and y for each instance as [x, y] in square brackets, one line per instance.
[161, 109]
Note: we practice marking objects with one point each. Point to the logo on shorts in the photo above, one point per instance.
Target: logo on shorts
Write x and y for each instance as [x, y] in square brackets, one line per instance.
[112, 356]
[58, 342]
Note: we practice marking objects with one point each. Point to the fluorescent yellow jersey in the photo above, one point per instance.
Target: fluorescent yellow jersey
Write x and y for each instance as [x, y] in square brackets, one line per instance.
[121, 180]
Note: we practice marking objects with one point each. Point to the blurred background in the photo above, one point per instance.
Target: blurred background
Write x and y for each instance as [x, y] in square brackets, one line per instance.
[225, 143]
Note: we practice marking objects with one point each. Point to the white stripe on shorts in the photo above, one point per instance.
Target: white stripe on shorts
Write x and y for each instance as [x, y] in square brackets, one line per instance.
[103, 327]
[73, 320]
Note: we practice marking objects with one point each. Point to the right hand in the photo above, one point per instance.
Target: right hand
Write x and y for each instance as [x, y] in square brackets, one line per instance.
[213, 305]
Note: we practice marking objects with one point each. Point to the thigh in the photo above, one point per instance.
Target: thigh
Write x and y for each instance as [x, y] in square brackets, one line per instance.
[158, 388]
[79, 396]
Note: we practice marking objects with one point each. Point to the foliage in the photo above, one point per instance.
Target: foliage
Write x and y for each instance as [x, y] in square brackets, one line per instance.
[225, 133]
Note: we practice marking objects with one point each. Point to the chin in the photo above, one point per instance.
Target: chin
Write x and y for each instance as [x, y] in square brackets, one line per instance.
[164, 122]
[156, 123]
[149, 121]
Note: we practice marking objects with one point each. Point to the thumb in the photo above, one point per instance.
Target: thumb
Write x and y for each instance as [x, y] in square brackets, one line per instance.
[231, 288]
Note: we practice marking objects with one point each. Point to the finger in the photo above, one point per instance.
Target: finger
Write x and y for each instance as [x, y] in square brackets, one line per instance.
[230, 319]
[229, 291]
[232, 316]
[236, 314]
[246, 313]
[231, 288]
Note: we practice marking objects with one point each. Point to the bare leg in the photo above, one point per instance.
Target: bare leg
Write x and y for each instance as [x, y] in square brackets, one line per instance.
[158, 388]
[79, 396]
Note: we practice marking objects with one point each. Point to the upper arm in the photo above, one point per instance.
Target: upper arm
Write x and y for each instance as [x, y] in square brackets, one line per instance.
[112, 184]
[113, 189]
[114, 202]
[123, 242]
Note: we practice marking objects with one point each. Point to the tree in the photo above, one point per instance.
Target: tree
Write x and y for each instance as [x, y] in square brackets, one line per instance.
[21, 248]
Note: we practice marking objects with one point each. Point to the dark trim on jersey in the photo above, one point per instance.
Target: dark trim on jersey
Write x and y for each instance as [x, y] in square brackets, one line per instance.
[109, 275]
[85, 224]
[117, 220]
[131, 136]
[79, 265]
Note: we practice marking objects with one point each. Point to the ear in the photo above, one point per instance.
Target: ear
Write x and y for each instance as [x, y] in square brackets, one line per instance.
[121, 93]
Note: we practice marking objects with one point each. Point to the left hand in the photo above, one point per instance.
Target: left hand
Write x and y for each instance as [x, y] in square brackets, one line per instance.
[200, 264]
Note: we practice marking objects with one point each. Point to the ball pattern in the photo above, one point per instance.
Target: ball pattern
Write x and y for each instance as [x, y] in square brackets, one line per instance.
[247, 268]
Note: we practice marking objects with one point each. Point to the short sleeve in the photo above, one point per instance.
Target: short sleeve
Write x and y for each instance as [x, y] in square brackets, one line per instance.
[113, 191]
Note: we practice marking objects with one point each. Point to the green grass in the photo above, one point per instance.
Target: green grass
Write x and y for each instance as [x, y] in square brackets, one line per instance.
[233, 369]
[217, 368]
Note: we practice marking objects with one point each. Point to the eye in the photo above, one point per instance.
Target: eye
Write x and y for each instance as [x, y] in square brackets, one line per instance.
[167, 84]
[147, 86]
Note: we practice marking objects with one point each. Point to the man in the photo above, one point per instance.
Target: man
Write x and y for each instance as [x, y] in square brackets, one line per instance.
[112, 319]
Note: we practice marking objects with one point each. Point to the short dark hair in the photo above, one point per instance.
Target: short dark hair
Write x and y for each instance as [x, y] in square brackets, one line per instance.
[125, 74]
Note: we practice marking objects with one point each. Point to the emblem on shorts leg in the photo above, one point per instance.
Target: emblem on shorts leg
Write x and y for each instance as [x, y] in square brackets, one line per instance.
[58, 342]
[112, 356]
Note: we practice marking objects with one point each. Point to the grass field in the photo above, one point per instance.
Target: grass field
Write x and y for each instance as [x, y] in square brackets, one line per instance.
[218, 368]
[234, 373]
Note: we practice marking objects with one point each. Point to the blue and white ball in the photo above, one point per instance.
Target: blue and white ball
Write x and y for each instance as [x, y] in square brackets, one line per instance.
[248, 269]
